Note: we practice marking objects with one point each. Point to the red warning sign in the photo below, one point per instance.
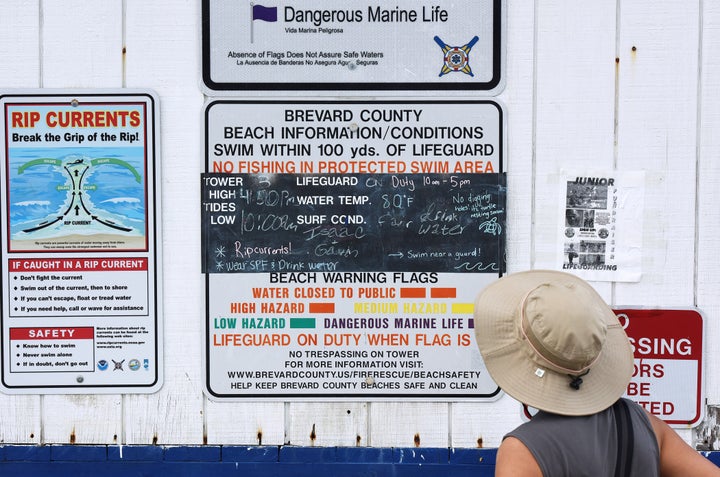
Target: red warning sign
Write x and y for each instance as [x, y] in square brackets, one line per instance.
[668, 348]
[668, 375]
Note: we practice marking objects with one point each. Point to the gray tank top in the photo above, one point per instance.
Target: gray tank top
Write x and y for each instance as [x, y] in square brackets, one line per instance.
[586, 446]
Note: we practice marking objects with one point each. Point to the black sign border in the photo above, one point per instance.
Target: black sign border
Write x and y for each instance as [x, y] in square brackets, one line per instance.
[220, 87]
[230, 397]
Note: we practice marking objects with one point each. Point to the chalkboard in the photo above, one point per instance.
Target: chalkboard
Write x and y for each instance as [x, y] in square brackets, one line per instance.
[353, 222]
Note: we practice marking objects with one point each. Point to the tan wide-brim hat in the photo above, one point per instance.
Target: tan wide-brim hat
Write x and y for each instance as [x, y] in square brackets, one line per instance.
[551, 342]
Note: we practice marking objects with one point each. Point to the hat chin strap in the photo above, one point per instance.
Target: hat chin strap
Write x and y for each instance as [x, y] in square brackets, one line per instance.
[576, 381]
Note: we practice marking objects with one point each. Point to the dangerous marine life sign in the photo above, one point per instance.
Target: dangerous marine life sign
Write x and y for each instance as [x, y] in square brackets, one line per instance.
[352, 45]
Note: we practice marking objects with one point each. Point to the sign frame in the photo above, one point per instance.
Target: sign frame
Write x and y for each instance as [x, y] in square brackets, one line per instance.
[221, 296]
[491, 87]
[97, 150]
[668, 314]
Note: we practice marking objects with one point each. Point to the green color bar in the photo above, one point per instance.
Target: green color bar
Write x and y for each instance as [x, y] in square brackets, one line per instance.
[302, 323]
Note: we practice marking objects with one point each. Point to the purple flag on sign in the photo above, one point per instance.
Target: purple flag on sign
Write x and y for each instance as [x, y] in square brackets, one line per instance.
[266, 14]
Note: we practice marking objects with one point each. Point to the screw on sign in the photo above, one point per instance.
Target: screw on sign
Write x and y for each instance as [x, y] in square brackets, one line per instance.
[668, 349]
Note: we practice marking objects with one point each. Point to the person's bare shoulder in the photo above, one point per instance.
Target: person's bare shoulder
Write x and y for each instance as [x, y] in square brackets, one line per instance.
[515, 460]
[677, 458]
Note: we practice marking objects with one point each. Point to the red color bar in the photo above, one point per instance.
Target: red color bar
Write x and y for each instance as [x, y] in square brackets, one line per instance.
[412, 293]
[45, 333]
[443, 292]
[322, 307]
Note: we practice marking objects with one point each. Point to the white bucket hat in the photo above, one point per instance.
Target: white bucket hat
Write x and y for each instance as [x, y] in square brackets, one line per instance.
[551, 342]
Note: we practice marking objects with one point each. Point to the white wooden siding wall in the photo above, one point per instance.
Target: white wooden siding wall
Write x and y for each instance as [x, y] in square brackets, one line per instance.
[631, 85]
[707, 278]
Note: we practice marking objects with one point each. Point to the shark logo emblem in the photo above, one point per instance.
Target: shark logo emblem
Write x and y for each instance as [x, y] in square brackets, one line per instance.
[456, 58]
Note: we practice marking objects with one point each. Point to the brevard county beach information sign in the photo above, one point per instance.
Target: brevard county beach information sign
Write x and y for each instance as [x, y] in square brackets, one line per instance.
[343, 246]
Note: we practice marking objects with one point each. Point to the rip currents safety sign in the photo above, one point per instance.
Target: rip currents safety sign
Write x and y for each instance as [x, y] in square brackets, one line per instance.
[81, 247]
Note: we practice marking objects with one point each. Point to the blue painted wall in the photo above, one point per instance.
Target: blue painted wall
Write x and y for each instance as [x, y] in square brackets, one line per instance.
[256, 461]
